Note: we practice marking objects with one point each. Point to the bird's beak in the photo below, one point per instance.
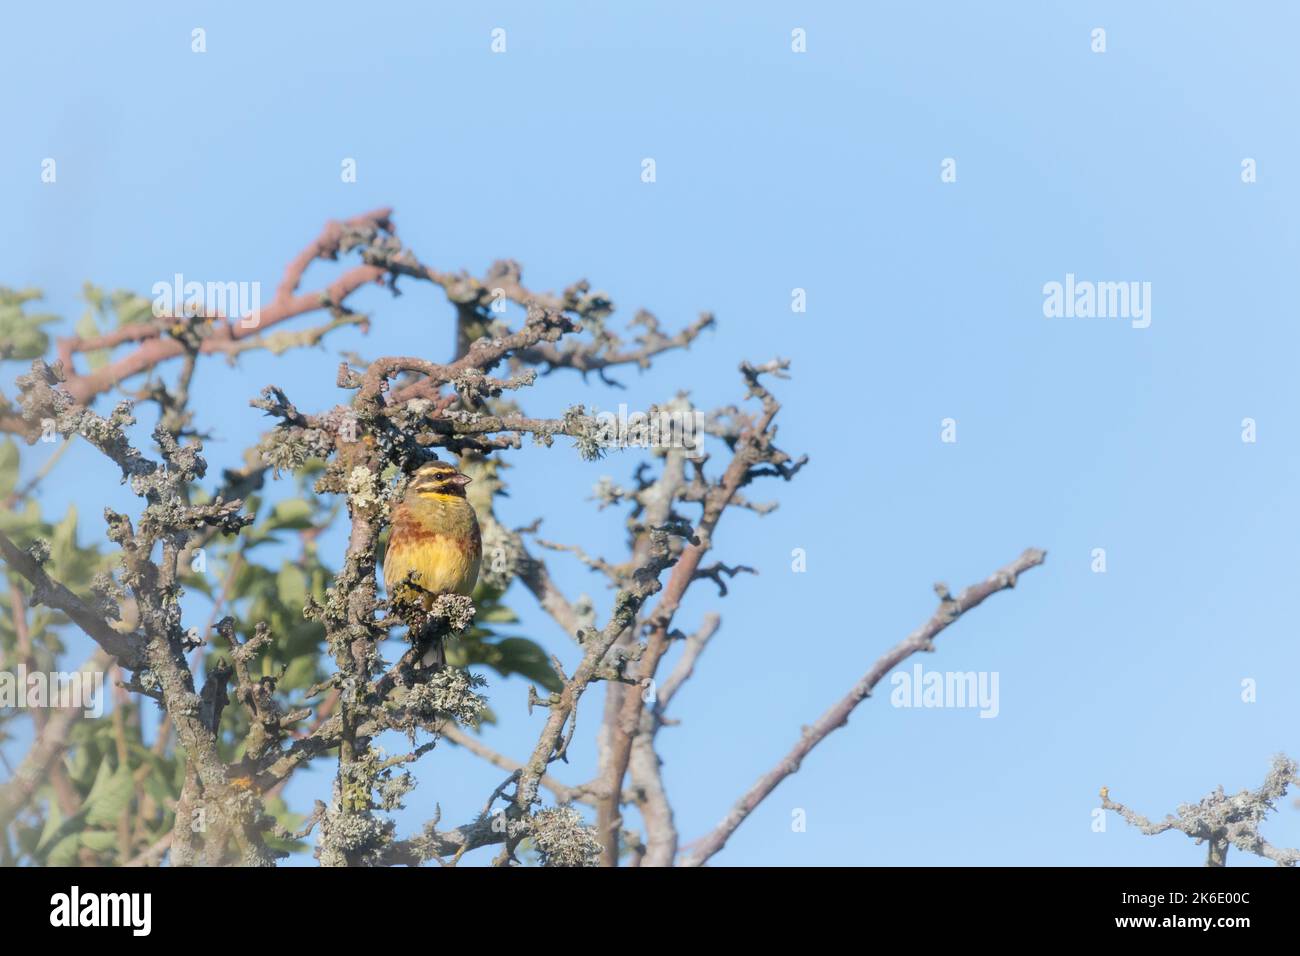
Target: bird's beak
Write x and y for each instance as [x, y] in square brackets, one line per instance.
[459, 479]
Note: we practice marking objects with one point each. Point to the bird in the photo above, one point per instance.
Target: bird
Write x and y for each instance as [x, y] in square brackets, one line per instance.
[435, 534]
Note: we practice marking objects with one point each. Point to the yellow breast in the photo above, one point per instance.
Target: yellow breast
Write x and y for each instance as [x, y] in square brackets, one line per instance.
[437, 537]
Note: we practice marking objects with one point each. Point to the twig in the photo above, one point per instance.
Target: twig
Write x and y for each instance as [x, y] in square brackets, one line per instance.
[1222, 821]
[950, 609]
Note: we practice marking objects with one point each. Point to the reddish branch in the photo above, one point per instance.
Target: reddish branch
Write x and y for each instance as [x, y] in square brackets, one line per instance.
[225, 335]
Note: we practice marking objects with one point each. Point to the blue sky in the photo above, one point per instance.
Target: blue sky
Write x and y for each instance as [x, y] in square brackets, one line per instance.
[778, 170]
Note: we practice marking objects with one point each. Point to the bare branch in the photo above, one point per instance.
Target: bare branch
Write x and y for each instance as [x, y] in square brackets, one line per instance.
[45, 590]
[922, 639]
[563, 793]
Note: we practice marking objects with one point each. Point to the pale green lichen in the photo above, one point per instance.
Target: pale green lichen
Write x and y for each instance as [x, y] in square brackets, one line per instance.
[360, 837]
[563, 839]
[364, 488]
[448, 693]
[456, 609]
[585, 432]
[283, 450]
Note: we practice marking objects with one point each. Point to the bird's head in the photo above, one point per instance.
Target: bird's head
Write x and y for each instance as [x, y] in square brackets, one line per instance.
[436, 479]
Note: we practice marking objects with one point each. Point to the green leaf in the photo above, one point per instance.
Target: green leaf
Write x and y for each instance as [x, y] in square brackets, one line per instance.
[53, 823]
[300, 674]
[256, 536]
[8, 467]
[131, 308]
[291, 586]
[64, 853]
[27, 838]
[21, 336]
[63, 542]
[88, 329]
[292, 513]
[511, 655]
[159, 789]
[110, 795]
[522, 656]
[101, 841]
[200, 583]
[498, 614]
[23, 525]
[277, 808]
[93, 294]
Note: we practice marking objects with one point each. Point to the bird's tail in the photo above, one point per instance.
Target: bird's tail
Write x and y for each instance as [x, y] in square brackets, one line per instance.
[436, 655]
